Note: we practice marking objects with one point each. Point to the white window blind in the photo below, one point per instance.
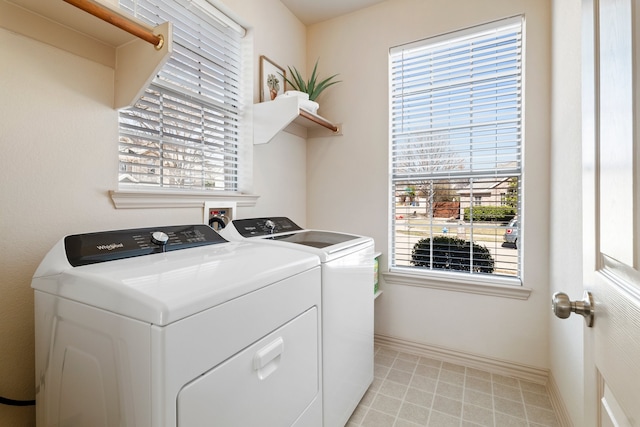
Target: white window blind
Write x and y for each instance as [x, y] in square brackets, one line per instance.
[456, 150]
[184, 131]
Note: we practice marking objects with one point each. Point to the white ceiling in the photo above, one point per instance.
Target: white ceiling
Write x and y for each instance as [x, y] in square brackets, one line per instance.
[313, 11]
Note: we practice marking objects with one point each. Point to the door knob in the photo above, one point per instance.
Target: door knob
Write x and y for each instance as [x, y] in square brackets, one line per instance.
[563, 306]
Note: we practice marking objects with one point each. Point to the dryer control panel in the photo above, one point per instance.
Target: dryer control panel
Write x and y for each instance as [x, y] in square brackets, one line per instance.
[92, 248]
[264, 226]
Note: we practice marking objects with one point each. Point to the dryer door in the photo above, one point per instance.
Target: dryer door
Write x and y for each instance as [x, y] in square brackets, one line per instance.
[270, 383]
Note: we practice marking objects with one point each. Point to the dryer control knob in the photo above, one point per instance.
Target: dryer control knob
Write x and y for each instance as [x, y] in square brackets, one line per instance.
[159, 238]
[270, 225]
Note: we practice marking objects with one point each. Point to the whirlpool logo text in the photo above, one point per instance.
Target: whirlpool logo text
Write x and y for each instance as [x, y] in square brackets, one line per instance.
[110, 247]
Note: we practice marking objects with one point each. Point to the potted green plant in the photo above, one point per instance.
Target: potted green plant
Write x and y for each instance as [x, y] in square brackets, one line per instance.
[310, 89]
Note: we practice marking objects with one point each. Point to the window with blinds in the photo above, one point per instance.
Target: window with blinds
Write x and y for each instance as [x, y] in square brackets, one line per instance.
[184, 131]
[456, 151]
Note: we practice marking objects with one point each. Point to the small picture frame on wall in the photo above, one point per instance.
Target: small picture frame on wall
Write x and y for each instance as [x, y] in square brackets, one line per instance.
[272, 82]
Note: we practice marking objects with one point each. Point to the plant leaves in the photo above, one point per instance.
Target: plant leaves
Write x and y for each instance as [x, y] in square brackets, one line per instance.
[312, 87]
[322, 86]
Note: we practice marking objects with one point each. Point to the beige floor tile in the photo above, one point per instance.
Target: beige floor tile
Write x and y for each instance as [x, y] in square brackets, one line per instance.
[430, 362]
[541, 416]
[438, 419]
[368, 397]
[393, 389]
[380, 371]
[507, 392]
[399, 376]
[405, 423]
[451, 391]
[405, 365]
[419, 397]
[412, 391]
[414, 413]
[383, 360]
[535, 399]
[477, 415]
[374, 418]
[423, 383]
[447, 406]
[501, 379]
[477, 398]
[509, 407]
[428, 371]
[386, 404]
[358, 415]
[504, 420]
[478, 385]
[451, 377]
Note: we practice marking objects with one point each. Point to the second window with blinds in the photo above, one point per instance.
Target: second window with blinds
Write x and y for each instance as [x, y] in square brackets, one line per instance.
[456, 153]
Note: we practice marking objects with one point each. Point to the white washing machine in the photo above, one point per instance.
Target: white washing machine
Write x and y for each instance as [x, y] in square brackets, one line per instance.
[174, 326]
[347, 262]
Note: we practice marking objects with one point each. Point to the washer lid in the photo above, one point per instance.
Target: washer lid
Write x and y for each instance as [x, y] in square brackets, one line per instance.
[315, 238]
[165, 287]
[281, 231]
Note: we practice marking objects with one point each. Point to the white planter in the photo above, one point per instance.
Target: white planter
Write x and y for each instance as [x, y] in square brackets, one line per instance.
[303, 96]
[303, 100]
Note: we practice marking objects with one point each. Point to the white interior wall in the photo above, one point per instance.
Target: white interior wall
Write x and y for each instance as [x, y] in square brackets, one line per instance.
[59, 139]
[347, 178]
[566, 336]
[279, 172]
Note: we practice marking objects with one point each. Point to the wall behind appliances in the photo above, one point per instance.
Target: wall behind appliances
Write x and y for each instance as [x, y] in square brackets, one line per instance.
[348, 176]
[279, 173]
[59, 142]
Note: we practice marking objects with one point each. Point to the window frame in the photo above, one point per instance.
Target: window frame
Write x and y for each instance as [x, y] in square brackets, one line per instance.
[491, 284]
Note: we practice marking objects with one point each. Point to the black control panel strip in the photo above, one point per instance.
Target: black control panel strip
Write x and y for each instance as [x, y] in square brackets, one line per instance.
[92, 248]
[264, 226]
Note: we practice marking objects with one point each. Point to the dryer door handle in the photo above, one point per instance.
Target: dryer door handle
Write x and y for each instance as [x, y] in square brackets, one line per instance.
[266, 359]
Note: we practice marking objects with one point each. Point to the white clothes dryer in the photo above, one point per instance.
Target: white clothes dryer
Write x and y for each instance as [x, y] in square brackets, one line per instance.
[176, 327]
[347, 262]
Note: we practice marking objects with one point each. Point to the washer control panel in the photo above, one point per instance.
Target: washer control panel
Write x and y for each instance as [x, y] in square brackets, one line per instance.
[92, 248]
[264, 226]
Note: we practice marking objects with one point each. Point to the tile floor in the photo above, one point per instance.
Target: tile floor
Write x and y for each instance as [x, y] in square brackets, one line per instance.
[410, 391]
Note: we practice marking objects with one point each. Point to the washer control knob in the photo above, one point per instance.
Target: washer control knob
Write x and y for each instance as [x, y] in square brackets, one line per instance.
[270, 225]
[159, 238]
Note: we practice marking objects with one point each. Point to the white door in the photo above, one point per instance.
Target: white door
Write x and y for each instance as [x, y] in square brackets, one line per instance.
[611, 187]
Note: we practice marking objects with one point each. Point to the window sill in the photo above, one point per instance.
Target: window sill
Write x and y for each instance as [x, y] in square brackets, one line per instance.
[137, 199]
[504, 287]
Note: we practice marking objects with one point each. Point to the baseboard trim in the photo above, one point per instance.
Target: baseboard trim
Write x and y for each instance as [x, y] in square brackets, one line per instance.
[558, 404]
[496, 366]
